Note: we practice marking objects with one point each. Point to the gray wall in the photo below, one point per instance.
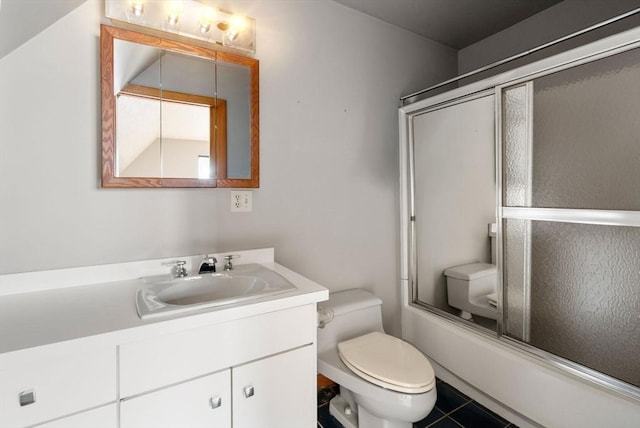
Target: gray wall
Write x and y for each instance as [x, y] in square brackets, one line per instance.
[330, 82]
[555, 22]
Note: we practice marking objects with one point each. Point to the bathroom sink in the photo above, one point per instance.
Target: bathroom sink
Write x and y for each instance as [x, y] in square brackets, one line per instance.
[163, 296]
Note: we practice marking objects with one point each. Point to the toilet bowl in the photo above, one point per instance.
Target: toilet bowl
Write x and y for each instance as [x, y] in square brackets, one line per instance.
[384, 381]
[472, 288]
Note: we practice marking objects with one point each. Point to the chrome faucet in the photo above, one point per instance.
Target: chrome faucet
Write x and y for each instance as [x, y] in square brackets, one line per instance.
[228, 265]
[208, 264]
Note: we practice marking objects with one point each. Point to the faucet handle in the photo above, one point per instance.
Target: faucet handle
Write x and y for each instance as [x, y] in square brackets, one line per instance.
[228, 265]
[179, 270]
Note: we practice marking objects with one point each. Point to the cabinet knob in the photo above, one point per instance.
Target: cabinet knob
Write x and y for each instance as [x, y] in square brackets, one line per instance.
[27, 397]
[215, 402]
[248, 391]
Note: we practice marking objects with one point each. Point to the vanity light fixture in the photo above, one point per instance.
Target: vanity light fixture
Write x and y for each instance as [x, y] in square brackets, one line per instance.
[191, 18]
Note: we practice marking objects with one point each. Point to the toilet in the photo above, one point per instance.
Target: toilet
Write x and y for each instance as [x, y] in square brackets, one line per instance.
[384, 381]
[472, 288]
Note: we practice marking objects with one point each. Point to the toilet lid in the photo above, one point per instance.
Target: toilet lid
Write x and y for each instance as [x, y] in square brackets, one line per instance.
[388, 362]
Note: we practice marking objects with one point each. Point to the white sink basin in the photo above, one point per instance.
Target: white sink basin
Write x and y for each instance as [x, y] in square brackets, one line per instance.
[168, 296]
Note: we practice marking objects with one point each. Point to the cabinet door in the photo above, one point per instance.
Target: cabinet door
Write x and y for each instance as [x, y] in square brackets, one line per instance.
[278, 391]
[203, 402]
[49, 385]
[102, 417]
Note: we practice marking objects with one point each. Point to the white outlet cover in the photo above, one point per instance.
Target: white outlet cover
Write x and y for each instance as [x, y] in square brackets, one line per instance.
[241, 200]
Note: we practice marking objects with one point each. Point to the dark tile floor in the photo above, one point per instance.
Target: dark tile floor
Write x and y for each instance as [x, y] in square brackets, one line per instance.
[453, 409]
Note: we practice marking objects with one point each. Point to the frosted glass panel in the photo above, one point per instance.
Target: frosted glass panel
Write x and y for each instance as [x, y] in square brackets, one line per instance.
[586, 137]
[584, 293]
[516, 274]
[516, 136]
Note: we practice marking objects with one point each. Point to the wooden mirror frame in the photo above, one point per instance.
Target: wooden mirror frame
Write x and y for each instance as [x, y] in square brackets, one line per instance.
[107, 36]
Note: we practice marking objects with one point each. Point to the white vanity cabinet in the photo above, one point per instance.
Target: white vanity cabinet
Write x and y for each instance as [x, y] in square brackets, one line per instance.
[276, 391]
[250, 372]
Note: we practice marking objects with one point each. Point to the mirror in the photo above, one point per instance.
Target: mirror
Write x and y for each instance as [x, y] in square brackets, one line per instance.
[183, 136]
[454, 241]
[176, 114]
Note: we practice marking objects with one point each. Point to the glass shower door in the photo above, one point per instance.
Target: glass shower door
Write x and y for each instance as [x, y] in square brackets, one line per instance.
[455, 197]
[571, 214]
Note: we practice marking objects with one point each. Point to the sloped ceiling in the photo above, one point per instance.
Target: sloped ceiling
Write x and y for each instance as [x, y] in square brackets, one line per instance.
[20, 20]
[455, 23]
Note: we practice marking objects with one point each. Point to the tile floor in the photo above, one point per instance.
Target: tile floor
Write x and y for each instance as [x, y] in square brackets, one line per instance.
[453, 409]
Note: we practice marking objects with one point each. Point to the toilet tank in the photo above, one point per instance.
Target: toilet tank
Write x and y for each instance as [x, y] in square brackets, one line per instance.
[347, 314]
[470, 280]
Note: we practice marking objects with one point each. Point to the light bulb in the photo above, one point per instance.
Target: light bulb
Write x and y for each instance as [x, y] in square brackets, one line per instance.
[137, 7]
[135, 11]
[207, 16]
[175, 9]
[236, 25]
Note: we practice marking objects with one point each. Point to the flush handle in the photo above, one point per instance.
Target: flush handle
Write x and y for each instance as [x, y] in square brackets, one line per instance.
[248, 391]
[27, 397]
[215, 402]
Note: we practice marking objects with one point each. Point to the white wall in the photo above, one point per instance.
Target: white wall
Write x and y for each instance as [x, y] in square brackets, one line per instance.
[553, 23]
[54, 213]
[330, 83]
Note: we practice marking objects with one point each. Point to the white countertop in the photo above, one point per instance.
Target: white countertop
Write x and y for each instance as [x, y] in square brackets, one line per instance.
[105, 314]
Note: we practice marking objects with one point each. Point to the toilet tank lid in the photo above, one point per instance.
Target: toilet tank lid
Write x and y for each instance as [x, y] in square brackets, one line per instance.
[471, 271]
[341, 302]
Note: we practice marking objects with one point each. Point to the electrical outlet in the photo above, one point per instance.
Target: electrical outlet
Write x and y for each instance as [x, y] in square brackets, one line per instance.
[241, 200]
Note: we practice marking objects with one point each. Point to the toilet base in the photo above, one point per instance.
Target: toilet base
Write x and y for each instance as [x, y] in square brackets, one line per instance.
[338, 409]
[466, 315]
[349, 417]
[366, 419]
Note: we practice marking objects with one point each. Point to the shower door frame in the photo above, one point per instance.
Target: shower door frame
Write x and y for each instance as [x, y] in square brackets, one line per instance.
[495, 85]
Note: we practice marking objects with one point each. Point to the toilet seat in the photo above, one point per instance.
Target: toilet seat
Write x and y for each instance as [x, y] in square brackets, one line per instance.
[388, 362]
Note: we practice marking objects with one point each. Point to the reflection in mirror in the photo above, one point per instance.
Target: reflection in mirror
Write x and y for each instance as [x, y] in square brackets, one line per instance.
[138, 118]
[455, 210]
[176, 114]
[234, 85]
[181, 146]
